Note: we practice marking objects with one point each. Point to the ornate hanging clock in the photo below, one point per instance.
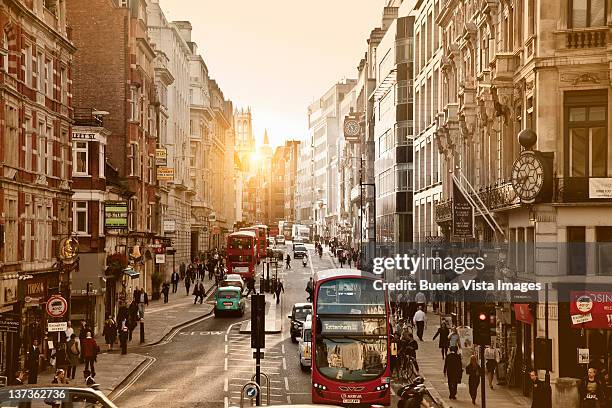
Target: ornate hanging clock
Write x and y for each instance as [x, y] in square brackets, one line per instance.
[528, 176]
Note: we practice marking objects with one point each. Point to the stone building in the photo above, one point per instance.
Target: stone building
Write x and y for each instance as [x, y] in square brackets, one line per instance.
[36, 99]
[545, 66]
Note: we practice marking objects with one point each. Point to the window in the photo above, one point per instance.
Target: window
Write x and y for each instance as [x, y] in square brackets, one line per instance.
[49, 156]
[586, 134]
[133, 157]
[64, 85]
[81, 159]
[11, 238]
[101, 159]
[150, 217]
[576, 238]
[133, 213]
[28, 66]
[403, 177]
[4, 50]
[40, 72]
[79, 223]
[133, 104]
[151, 170]
[11, 139]
[588, 13]
[49, 79]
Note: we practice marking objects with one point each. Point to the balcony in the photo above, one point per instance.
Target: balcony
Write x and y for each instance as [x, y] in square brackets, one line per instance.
[499, 196]
[586, 38]
[581, 189]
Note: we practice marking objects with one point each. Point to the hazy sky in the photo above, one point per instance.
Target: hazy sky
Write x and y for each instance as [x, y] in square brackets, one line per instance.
[278, 56]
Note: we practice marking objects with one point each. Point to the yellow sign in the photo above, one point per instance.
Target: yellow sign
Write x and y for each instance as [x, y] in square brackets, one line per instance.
[161, 156]
[165, 173]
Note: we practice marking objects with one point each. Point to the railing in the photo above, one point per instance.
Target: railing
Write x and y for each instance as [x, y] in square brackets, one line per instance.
[573, 190]
[499, 196]
[85, 117]
[587, 38]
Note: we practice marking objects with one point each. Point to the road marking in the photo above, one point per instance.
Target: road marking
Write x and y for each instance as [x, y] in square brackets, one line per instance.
[226, 349]
[286, 383]
[178, 330]
[225, 402]
[283, 348]
[284, 363]
[288, 400]
[150, 361]
[225, 385]
[225, 365]
[156, 390]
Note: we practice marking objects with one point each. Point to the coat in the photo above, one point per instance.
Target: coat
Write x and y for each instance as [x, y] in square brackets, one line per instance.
[90, 348]
[73, 359]
[33, 358]
[453, 368]
[443, 333]
[175, 277]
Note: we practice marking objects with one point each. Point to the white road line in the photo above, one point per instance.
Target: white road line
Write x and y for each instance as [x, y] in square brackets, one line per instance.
[225, 365]
[286, 383]
[225, 402]
[226, 338]
[225, 385]
[284, 363]
[156, 390]
[150, 361]
[283, 348]
[226, 349]
[299, 393]
[176, 331]
[288, 400]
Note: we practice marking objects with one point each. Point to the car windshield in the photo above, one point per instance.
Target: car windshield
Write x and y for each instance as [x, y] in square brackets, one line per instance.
[307, 337]
[300, 248]
[240, 258]
[300, 313]
[234, 283]
[228, 295]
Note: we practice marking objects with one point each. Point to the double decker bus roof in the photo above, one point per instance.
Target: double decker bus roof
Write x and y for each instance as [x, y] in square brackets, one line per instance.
[343, 273]
[241, 233]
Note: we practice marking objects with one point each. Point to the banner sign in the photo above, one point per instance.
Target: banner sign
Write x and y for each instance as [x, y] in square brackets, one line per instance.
[57, 326]
[115, 214]
[600, 187]
[160, 258]
[165, 173]
[522, 313]
[161, 157]
[9, 323]
[591, 310]
[463, 214]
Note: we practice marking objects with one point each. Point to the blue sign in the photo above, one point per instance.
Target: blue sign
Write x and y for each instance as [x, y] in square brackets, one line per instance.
[251, 391]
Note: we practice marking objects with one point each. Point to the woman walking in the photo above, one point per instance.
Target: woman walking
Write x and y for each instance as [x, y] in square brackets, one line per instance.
[473, 372]
[110, 333]
[443, 332]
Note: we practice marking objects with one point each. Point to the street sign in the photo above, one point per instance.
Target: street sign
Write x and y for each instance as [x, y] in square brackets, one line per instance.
[160, 258]
[161, 156]
[9, 323]
[583, 356]
[579, 319]
[250, 391]
[165, 173]
[57, 326]
[169, 226]
[56, 306]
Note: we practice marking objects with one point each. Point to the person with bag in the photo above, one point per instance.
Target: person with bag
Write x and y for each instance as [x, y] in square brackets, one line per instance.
[110, 333]
[90, 353]
[123, 335]
[72, 351]
[473, 372]
[453, 370]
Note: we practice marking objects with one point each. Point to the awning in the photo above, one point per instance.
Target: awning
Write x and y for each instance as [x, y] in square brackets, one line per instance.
[131, 273]
[523, 313]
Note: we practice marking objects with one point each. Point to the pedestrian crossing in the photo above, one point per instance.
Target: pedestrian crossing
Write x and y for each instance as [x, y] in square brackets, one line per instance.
[240, 367]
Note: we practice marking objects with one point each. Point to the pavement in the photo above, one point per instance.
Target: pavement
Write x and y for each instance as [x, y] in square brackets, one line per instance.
[161, 319]
[431, 368]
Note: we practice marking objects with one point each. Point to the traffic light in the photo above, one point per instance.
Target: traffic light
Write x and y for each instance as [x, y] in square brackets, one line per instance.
[258, 321]
[481, 322]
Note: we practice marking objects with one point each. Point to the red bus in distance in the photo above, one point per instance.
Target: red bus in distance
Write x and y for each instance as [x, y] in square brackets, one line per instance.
[242, 253]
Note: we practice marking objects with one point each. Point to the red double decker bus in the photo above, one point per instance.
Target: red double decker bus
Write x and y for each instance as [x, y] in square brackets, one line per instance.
[262, 237]
[242, 253]
[350, 337]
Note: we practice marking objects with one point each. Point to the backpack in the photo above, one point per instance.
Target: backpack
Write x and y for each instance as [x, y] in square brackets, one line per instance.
[74, 349]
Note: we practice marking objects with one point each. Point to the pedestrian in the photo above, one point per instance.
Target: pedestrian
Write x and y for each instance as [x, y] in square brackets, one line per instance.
[166, 291]
[421, 301]
[443, 333]
[175, 280]
[279, 288]
[82, 334]
[473, 372]
[288, 262]
[348, 261]
[492, 358]
[539, 397]
[143, 300]
[305, 260]
[123, 334]
[250, 283]
[69, 330]
[591, 391]
[60, 377]
[182, 269]
[187, 284]
[110, 333]
[133, 318]
[310, 289]
[21, 377]
[341, 259]
[33, 362]
[419, 320]
[72, 352]
[199, 292]
[454, 339]
[89, 378]
[453, 371]
[90, 353]
[61, 357]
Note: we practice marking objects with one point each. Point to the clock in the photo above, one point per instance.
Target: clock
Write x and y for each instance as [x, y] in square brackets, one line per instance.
[528, 176]
[351, 127]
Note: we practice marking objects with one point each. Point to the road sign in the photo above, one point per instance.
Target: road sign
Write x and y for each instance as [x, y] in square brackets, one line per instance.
[160, 258]
[250, 391]
[578, 319]
[258, 321]
[57, 306]
[9, 323]
[57, 326]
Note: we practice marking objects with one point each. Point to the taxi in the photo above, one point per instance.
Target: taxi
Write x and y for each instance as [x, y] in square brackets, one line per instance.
[305, 344]
[229, 299]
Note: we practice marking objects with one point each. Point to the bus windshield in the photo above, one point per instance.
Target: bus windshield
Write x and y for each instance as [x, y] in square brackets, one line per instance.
[351, 336]
[240, 258]
[241, 243]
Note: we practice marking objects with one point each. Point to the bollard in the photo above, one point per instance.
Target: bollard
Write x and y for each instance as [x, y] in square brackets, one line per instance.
[142, 336]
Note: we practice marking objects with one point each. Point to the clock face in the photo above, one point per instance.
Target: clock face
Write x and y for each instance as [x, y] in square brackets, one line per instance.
[351, 127]
[527, 176]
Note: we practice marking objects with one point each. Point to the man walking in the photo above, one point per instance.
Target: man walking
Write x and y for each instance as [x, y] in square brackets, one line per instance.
[33, 361]
[175, 280]
[421, 300]
[165, 291]
[123, 334]
[453, 370]
[90, 352]
[250, 286]
[72, 349]
[419, 320]
[279, 288]
[187, 283]
[288, 262]
[142, 302]
[310, 289]
[539, 391]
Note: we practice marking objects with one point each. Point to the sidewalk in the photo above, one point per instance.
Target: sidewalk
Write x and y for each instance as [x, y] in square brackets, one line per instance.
[112, 368]
[431, 368]
[274, 318]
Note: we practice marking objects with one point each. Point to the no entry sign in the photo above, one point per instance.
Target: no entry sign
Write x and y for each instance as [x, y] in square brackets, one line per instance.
[56, 306]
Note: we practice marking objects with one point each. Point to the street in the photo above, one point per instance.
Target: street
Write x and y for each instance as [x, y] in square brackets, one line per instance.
[207, 363]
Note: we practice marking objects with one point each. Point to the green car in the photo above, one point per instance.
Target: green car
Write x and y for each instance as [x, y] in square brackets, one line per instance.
[228, 299]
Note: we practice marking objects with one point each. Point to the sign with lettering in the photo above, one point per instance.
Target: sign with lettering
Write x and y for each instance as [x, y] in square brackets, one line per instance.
[600, 187]
[165, 173]
[591, 310]
[161, 156]
[9, 323]
[583, 356]
[57, 306]
[115, 214]
[160, 258]
[57, 326]
[169, 225]
[85, 136]
[463, 214]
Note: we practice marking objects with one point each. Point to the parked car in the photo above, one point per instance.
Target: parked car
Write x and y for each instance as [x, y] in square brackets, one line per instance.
[280, 239]
[298, 316]
[232, 279]
[54, 395]
[229, 299]
[305, 345]
[299, 251]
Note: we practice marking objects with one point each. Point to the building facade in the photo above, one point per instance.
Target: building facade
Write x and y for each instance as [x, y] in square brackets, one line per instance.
[36, 99]
[290, 182]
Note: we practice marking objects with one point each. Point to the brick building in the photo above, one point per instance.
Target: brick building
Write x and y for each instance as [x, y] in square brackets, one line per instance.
[115, 73]
[35, 167]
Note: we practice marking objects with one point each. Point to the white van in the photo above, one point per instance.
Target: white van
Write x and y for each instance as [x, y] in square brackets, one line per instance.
[305, 344]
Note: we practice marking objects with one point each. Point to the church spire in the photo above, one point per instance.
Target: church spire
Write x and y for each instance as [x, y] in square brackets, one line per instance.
[266, 141]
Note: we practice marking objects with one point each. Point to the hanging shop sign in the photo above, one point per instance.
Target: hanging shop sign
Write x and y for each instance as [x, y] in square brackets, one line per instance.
[165, 173]
[9, 323]
[591, 310]
[463, 214]
[115, 214]
[161, 156]
[68, 250]
[523, 313]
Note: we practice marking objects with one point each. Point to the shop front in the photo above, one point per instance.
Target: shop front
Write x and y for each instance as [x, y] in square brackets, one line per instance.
[9, 325]
[520, 359]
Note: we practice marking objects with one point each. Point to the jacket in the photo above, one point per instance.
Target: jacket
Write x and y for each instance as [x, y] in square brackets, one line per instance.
[90, 348]
[453, 367]
[443, 333]
[73, 359]
[175, 277]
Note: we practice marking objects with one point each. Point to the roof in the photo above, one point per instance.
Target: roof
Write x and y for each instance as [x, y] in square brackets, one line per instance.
[233, 276]
[242, 233]
[302, 304]
[343, 273]
[229, 289]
